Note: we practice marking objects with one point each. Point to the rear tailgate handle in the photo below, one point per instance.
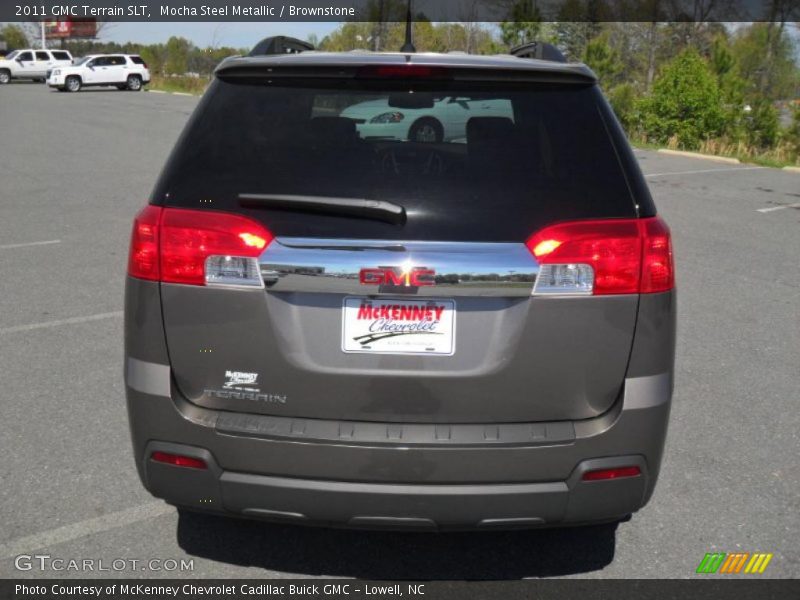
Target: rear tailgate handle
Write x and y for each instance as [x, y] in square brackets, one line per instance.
[370, 267]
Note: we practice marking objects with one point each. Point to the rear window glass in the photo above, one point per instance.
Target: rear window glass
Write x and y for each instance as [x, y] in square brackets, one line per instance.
[468, 163]
[60, 55]
[137, 59]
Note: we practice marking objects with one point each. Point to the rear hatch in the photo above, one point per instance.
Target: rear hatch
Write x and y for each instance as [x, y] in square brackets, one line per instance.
[397, 283]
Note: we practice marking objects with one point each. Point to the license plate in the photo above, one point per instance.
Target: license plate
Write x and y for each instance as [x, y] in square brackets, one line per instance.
[391, 326]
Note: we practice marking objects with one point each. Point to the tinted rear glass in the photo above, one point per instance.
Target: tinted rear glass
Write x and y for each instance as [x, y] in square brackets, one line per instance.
[137, 59]
[60, 55]
[468, 162]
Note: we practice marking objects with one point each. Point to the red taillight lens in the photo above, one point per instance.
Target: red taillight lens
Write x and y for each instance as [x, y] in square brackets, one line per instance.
[628, 256]
[178, 460]
[188, 237]
[405, 71]
[602, 474]
[143, 254]
[172, 244]
[658, 270]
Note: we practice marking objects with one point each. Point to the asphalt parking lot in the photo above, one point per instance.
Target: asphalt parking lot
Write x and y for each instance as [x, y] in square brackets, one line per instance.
[75, 168]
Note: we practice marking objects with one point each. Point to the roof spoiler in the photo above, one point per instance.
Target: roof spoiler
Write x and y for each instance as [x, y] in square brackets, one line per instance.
[280, 44]
[539, 50]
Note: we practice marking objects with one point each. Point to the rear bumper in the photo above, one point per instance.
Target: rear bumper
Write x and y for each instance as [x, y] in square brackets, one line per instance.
[380, 476]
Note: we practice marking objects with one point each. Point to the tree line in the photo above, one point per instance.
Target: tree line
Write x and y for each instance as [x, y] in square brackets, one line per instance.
[709, 86]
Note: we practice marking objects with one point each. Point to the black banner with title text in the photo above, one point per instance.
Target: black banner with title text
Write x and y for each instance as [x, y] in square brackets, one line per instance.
[396, 10]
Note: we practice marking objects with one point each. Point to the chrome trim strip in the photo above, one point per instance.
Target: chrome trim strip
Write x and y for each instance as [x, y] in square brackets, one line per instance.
[291, 264]
[147, 377]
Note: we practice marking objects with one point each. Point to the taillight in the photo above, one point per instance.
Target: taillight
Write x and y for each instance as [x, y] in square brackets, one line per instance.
[143, 253]
[617, 473]
[196, 247]
[600, 257]
[179, 460]
[658, 271]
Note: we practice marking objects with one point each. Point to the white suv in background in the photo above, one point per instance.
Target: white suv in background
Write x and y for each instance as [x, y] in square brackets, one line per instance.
[32, 64]
[125, 71]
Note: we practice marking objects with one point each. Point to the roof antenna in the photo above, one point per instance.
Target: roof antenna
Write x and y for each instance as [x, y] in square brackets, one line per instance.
[408, 45]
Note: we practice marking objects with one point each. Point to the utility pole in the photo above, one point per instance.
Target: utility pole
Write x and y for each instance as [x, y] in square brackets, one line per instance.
[41, 23]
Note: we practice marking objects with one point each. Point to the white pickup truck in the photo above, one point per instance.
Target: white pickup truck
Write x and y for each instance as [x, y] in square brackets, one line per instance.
[32, 64]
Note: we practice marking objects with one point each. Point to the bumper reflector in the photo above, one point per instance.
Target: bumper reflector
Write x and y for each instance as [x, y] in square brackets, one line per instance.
[178, 460]
[617, 473]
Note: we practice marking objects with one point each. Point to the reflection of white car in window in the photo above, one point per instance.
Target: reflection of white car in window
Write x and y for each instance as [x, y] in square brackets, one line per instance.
[32, 64]
[445, 121]
[124, 71]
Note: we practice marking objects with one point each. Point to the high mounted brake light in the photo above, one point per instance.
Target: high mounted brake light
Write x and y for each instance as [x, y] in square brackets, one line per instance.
[196, 247]
[405, 71]
[601, 257]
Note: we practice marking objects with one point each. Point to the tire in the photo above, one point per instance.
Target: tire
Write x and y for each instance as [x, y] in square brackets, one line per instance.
[5, 76]
[426, 130]
[134, 83]
[73, 83]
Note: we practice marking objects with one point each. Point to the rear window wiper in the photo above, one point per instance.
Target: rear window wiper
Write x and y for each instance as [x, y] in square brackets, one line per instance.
[363, 208]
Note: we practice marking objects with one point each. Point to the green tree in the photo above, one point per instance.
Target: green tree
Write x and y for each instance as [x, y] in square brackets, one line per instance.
[793, 133]
[623, 100]
[177, 59]
[155, 55]
[524, 26]
[766, 58]
[348, 36]
[578, 22]
[603, 59]
[685, 102]
[14, 37]
[731, 86]
[761, 124]
[428, 37]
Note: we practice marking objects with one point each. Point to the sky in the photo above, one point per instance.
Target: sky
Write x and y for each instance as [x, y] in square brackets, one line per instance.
[235, 35]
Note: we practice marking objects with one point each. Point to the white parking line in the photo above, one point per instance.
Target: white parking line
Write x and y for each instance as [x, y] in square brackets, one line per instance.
[728, 170]
[26, 244]
[67, 533]
[772, 208]
[56, 323]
